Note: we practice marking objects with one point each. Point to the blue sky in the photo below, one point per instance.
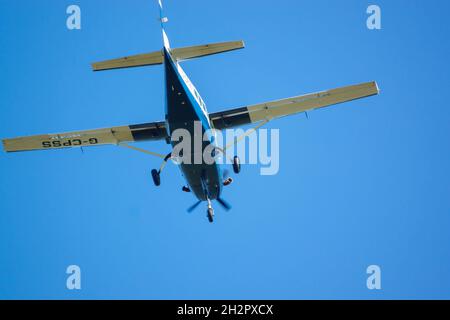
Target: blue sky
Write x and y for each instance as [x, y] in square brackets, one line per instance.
[359, 184]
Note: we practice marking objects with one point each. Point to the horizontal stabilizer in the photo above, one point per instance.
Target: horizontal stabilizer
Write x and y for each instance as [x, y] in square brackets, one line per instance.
[206, 50]
[157, 57]
[140, 60]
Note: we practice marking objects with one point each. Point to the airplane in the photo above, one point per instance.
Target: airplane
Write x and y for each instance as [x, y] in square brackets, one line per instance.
[183, 108]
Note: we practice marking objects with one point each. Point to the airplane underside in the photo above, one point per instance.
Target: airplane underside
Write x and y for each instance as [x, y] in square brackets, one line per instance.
[186, 110]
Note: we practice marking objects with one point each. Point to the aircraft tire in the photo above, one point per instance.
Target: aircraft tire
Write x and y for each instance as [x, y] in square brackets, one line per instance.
[210, 215]
[236, 164]
[156, 177]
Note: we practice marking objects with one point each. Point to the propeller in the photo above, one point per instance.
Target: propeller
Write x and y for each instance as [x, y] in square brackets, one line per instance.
[192, 208]
[224, 204]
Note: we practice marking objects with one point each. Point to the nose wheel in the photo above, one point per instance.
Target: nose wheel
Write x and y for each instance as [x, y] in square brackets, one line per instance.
[210, 215]
[210, 212]
[236, 164]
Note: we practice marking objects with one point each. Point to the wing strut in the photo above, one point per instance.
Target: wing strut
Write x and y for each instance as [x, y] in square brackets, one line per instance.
[125, 145]
[246, 134]
[241, 137]
[164, 157]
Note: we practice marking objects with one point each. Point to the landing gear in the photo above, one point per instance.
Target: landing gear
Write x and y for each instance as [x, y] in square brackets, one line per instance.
[211, 215]
[156, 174]
[210, 212]
[185, 189]
[236, 161]
[156, 177]
[236, 165]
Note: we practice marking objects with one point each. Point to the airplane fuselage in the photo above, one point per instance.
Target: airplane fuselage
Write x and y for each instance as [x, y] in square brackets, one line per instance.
[185, 108]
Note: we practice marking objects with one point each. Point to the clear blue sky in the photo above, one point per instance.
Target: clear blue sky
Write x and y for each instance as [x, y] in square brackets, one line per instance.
[359, 184]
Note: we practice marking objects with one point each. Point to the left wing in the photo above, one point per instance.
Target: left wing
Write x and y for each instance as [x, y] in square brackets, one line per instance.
[86, 138]
[280, 108]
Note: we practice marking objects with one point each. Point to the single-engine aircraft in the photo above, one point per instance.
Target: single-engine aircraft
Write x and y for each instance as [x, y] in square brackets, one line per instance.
[183, 107]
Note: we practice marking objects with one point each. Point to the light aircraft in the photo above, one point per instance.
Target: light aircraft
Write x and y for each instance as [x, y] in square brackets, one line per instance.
[184, 106]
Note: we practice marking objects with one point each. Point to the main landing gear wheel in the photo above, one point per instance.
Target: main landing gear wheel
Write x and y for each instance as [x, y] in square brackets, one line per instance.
[210, 215]
[156, 174]
[156, 177]
[236, 165]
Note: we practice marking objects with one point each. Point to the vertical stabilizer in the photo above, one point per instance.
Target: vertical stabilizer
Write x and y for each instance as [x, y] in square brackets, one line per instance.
[163, 19]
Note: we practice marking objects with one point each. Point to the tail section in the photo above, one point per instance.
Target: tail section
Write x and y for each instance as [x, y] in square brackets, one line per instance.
[157, 57]
[163, 20]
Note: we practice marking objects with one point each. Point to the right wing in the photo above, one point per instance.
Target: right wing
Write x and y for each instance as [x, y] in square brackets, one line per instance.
[113, 135]
[280, 108]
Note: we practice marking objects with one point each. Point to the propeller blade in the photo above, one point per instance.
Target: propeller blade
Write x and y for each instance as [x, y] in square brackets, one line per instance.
[192, 208]
[224, 204]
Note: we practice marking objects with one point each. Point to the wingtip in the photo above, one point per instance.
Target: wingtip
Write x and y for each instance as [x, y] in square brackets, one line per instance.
[377, 87]
[5, 145]
[94, 67]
